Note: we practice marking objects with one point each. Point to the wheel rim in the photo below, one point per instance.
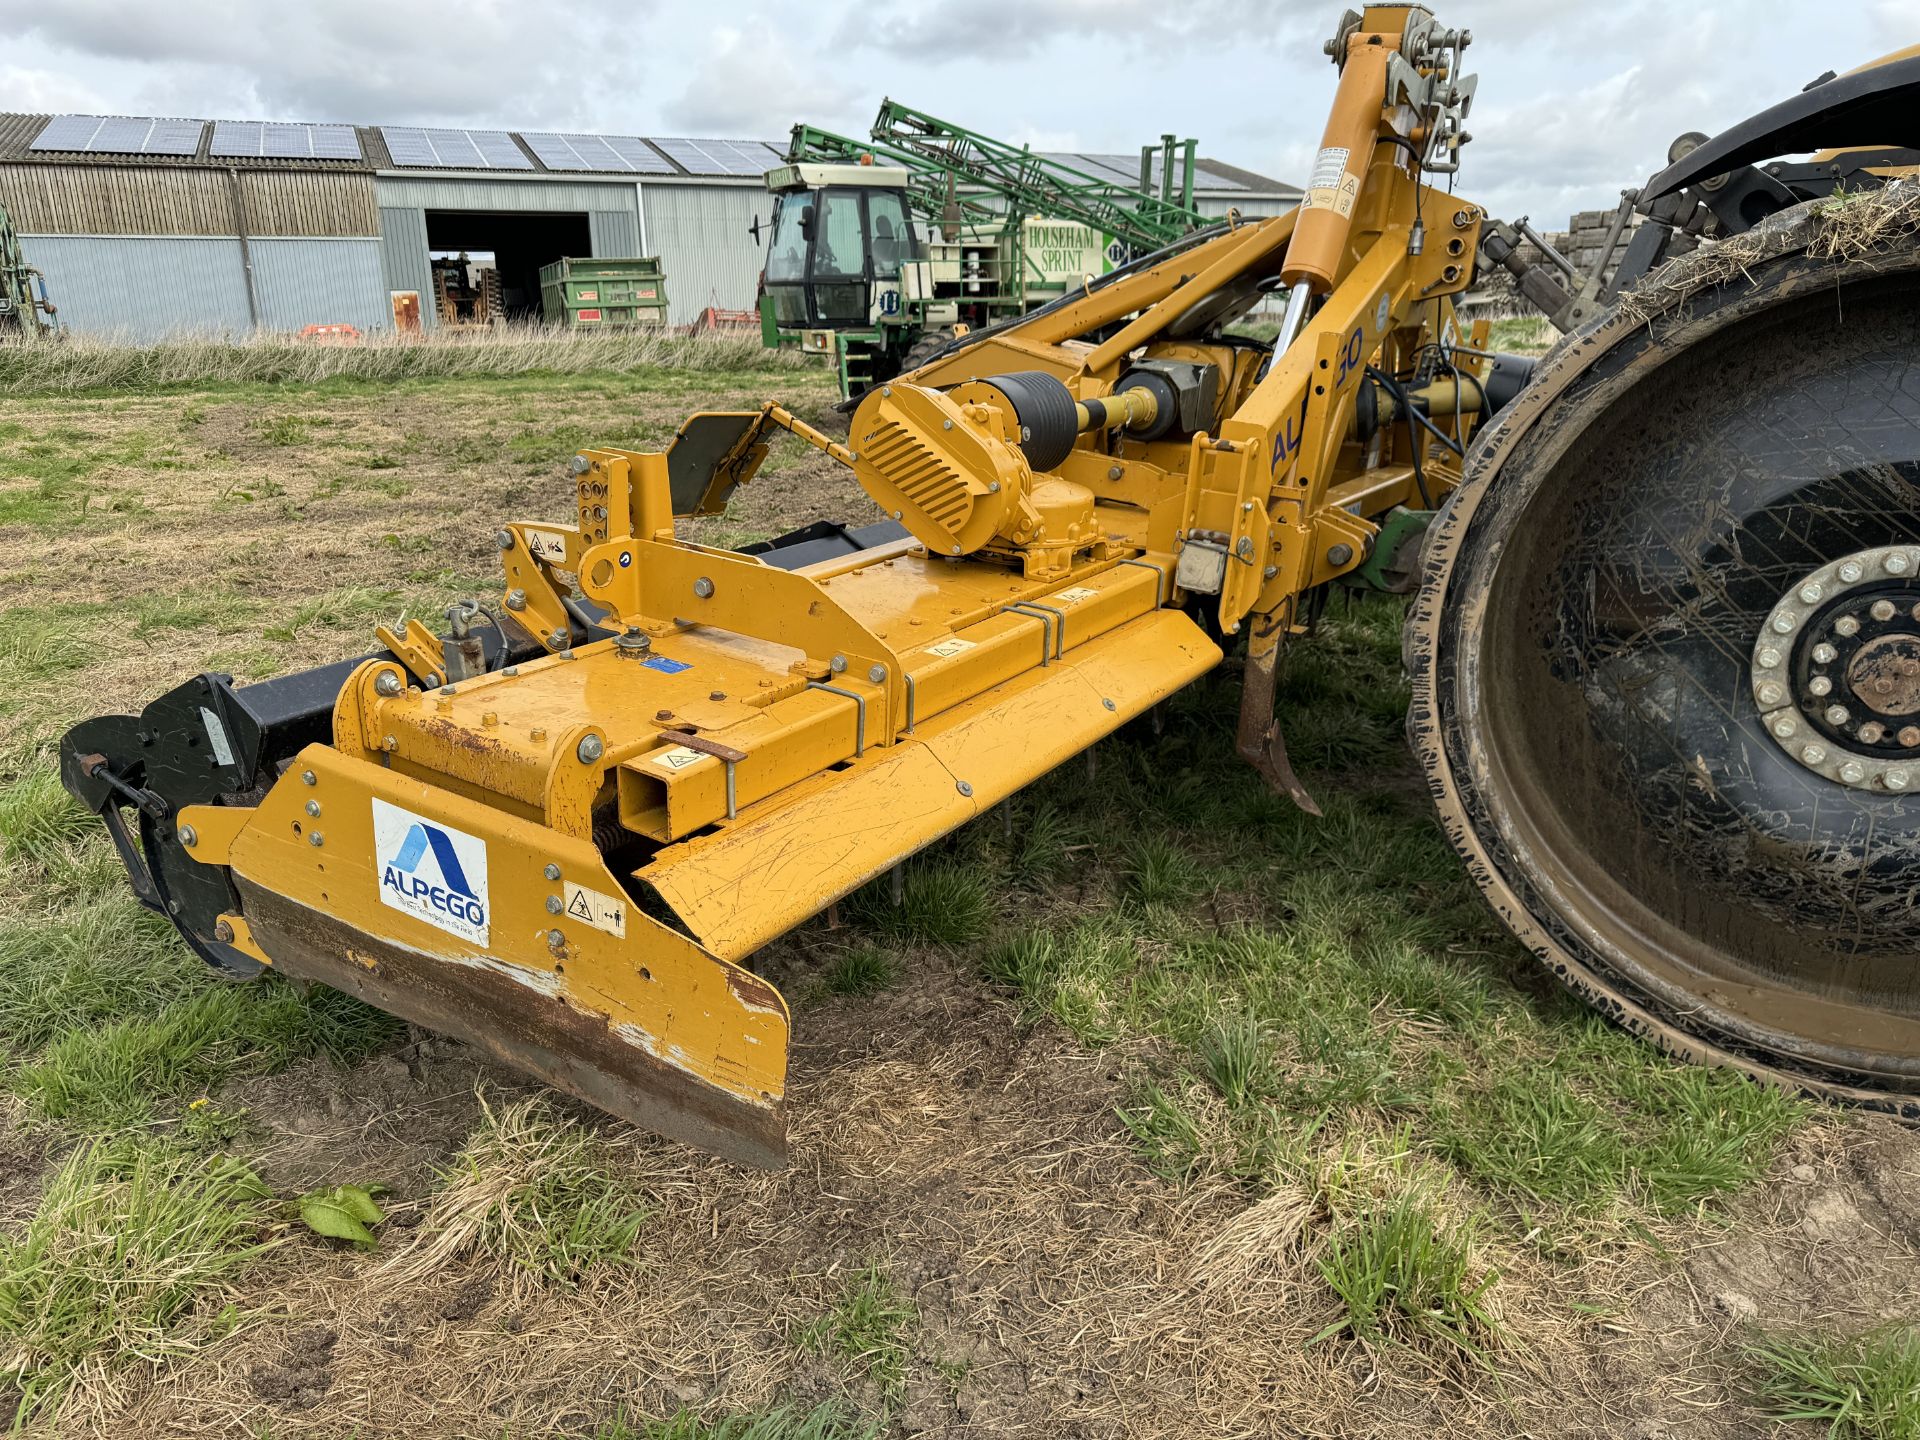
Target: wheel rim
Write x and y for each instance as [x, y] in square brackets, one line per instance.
[1597, 716]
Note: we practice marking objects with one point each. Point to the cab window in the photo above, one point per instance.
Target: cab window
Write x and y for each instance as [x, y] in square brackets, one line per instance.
[887, 219]
[839, 249]
[787, 246]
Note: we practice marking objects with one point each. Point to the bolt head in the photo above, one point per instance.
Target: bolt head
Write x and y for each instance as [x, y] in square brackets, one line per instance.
[1850, 571]
[1872, 733]
[504, 538]
[590, 749]
[579, 465]
[223, 932]
[1896, 779]
[1784, 727]
[314, 838]
[1810, 592]
[552, 872]
[1813, 754]
[877, 674]
[963, 787]
[1770, 694]
[1846, 625]
[1897, 563]
[1882, 610]
[307, 777]
[313, 807]
[553, 904]
[703, 587]
[389, 744]
[189, 837]
[446, 689]
[838, 664]
[1837, 715]
[1823, 653]
[1819, 685]
[387, 682]
[1853, 772]
[1784, 622]
[556, 939]
[1768, 658]
[1110, 705]
[516, 599]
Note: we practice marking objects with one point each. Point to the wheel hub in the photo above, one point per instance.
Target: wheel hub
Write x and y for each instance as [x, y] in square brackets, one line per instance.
[1836, 670]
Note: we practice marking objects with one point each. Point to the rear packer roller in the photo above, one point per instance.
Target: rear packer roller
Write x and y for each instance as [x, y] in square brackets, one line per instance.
[1666, 660]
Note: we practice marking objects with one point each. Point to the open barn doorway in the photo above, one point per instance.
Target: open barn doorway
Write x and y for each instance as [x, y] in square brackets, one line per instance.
[499, 276]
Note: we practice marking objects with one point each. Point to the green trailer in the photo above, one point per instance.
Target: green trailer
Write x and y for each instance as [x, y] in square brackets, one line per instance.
[604, 292]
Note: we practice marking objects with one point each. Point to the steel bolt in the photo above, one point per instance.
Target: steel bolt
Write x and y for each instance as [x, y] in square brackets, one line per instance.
[590, 749]
[307, 777]
[387, 682]
[1110, 705]
[1819, 685]
[389, 744]
[516, 599]
[1896, 779]
[553, 904]
[886, 390]
[1769, 694]
[432, 679]
[446, 689]
[963, 787]
[1784, 622]
[556, 939]
[1114, 472]
[1851, 571]
[1853, 772]
[1846, 625]
[1768, 658]
[314, 838]
[1810, 592]
[558, 639]
[703, 587]
[1897, 563]
[579, 465]
[1339, 554]
[839, 664]
[877, 674]
[189, 837]
[552, 871]
[1823, 653]
[1814, 754]
[503, 538]
[1837, 715]
[223, 931]
[1784, 727]
[1269, 572]
[1872, 733]
[1909, 735]
[956, 549]
[511, 670]
[313, 807]
[1882, 610]
[946, 424]
[993, 487]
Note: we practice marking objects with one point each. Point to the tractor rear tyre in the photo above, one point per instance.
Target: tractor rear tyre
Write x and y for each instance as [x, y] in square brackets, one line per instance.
[1666, 656]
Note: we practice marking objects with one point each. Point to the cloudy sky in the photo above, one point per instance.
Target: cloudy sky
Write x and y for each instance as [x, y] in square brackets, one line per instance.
[1577, 98]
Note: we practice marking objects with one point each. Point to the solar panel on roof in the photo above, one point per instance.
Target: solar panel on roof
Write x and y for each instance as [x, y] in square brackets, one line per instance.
[453, 149]
[688, 155]
[1205, 177]
[278, 141]
[335, 142]
[628, 153]
[120, 135]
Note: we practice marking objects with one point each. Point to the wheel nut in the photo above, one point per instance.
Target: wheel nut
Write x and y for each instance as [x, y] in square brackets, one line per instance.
[1813, 754]
[1769, 695]
[1784, 727]
[1852, 772]
[1819, 685]
[1768, 658]
[1836, 715]
[1810, 592]
[1846, 625]
[1872, 733]
[1882, 610]
[1823, 654]
[1909, 735]
[1851, 571]
[1897, 563]
[1784, 622]
[1896, 779]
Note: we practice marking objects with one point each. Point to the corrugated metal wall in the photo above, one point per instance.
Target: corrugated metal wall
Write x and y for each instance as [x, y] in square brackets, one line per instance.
[144, 289]
[403, 256]
[507, 194]
[1248, 206]
[616, 233]
[320, 282]
[106, 200]
[700, 234]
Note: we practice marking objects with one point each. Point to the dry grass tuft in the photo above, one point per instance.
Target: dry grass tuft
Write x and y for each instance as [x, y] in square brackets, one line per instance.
[535, 1188]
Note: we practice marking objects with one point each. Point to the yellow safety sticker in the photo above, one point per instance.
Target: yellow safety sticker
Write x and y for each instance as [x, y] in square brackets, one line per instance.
[1325, 184]
[602, 912]
[1078, 592]
[947, 649]
[678, 758]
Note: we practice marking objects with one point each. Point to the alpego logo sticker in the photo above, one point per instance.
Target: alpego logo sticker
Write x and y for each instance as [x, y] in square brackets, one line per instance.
[431, 871]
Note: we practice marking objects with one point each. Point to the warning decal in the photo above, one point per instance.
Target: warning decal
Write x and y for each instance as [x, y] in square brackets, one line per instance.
[947, 649]
[1330, 187]
[549, 546]
[678, 758]
[602, 912]
[1078, 592]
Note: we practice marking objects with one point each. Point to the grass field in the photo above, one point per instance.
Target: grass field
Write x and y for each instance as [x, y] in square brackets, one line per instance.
[1157, 1108]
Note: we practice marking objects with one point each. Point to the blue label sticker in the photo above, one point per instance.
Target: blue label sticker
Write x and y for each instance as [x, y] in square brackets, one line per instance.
[626, 558]
[664, 665]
